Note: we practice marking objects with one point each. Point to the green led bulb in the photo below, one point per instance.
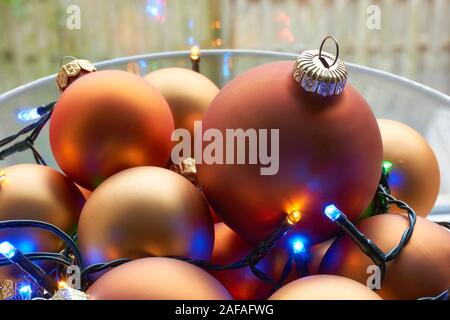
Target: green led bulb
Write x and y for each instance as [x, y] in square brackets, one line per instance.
[387, 167]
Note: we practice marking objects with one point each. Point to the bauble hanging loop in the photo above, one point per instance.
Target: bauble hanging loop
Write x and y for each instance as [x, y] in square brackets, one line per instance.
[325, 63]
[321, 72]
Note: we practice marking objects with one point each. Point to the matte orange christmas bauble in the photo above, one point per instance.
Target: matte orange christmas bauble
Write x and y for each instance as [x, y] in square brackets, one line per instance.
[229, 247]
[157, 279]
[145, 211]
[415, 176]
[109, 121]
[187, 92]
[421, 269]
[35, 192]
[330, 151]
[324, 287]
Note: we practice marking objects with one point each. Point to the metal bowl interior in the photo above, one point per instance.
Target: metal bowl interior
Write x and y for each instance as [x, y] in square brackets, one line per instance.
[391, 96]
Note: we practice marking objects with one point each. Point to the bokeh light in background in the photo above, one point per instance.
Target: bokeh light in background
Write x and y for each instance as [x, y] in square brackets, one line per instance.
[156, 9]
[413, 41]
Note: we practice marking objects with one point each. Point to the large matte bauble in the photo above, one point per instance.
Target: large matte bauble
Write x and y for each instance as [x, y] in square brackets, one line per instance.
[187, 92]
[329, 152]
[415, 176]
[109, 121]
[145, 211]
[421, 269]
[157, 279]
[35, 192]
[229, 247]
[324, 287]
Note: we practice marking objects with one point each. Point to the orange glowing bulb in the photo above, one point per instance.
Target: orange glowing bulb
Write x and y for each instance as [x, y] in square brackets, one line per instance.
[3, 177]
[195, 53]
[294, 217]
[62, 285]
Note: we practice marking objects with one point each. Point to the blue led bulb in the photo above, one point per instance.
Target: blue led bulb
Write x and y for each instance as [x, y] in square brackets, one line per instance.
[7, 249]
[298, 246]
[332, 212]
[28, 115]
[25, 291]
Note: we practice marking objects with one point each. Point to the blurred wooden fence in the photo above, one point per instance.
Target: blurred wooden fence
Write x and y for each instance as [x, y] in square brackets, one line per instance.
[413, 41]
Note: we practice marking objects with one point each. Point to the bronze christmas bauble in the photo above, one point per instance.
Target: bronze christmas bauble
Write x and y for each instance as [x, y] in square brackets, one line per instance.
[145, 211]
[330, 151]
[421, 270]
[187, 92]
[109, 121]
[157, 279]
[35, 192]
[242, 284]
[414, 176]
[324, 287]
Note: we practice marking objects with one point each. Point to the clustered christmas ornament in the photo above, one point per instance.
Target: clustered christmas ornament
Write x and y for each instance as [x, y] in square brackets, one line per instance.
[109, 121]
[305, 219]
[35, 192]
[414, 171]
[188, 94]
[157, 279]
[145, 211]
[408, 276]
[323, 148]
[325, 287]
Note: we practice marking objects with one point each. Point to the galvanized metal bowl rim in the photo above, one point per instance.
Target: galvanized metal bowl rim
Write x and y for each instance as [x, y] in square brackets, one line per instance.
[435, 94]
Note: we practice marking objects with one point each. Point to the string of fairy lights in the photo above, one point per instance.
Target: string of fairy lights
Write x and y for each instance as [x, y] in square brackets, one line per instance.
[33, 129]
[42, 285]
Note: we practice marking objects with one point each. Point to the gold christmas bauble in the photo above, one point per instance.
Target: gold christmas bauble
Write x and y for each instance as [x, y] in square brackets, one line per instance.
[35, 192]
[145, 211]
[157, 279]
[414, 176]
[187, 92]
[421, 270]
[324, 287]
